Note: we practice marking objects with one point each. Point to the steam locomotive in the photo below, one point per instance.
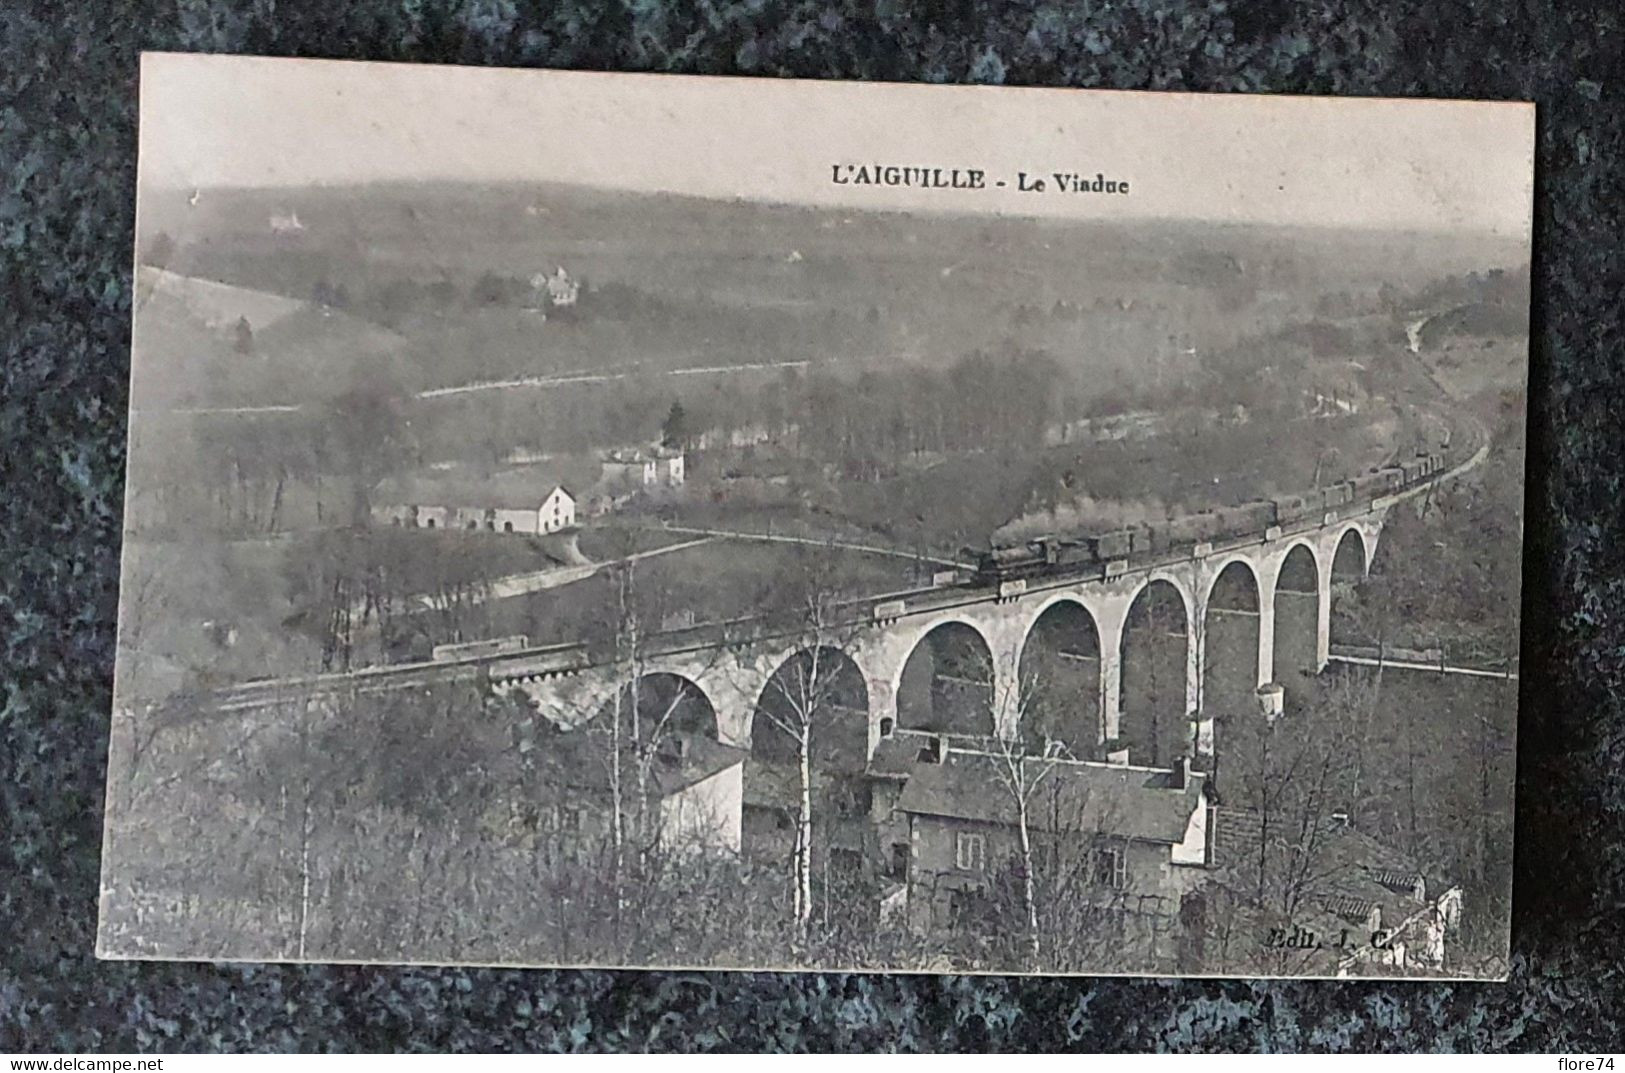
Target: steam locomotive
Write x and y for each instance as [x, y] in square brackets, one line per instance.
[1044, 554]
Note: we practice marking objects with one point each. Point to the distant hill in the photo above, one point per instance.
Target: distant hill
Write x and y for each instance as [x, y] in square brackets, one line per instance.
[669, 281]
[449, 221]
[203, 343]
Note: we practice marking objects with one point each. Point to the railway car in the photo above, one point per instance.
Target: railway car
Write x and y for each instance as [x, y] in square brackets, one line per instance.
[1289, 509]
[1369, 486]
[1258, 516]
[468, 649]
[1012, 555]
[1079, 550]
[1118, 545]
[1216, 525]
[1179, 532]
[1229, 522]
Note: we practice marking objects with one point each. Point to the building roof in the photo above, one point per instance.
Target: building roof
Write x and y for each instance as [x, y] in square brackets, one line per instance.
[1350, 874]
[775, 782]
[894, 757]
[1069, 795]
[771, 785]
[702, 758]
[637, 455]
[579, 760]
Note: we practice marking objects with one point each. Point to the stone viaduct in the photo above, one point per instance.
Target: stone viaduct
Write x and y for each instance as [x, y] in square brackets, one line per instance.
[731, 664]
[733, 677]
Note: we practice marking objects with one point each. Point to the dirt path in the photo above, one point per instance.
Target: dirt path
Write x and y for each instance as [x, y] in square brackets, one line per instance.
[776, 538]
[554, 577]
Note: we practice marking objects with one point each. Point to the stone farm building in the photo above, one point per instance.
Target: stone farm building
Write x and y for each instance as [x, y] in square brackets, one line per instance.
[1137, 836]
[628, 469]
[526, 500]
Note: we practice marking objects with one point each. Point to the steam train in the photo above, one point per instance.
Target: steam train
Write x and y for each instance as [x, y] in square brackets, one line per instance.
[1044, 554]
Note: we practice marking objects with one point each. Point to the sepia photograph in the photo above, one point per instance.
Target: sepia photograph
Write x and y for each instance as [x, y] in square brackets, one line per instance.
[619, 520]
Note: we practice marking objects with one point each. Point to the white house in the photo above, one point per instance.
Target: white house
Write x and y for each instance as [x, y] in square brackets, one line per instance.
[558, 511]
[694, 789]
[557, 289]
[669, 467]
[701, 787]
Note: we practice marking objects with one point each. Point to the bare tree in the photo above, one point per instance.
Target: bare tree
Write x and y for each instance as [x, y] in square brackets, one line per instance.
[1021, 773]
[638, 721]
[803, 696]
[366, 429]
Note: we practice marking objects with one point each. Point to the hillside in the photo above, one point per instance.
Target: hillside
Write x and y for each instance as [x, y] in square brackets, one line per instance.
[670, 281]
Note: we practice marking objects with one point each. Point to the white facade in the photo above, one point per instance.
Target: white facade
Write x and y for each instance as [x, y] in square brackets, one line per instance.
[561, 289]
[670, 468]
[706, 814]
[1193, 849]
[644, 468]
[513, 520]
[558, 511]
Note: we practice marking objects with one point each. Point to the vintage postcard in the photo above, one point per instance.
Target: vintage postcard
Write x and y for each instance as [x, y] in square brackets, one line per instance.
[627, 520]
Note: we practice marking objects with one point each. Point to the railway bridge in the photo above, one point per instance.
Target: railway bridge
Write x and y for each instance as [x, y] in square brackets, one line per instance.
[983, 637]
[979, 638]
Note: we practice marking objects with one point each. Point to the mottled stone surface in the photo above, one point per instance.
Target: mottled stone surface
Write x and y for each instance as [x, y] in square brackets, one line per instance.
[67, 156]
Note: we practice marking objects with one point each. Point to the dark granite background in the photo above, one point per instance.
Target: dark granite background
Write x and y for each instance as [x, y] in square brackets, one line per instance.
[67, 161]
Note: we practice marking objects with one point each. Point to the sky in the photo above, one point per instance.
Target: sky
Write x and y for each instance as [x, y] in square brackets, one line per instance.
[1351, 162]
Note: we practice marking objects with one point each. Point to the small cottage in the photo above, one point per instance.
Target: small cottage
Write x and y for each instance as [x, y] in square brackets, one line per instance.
[695, 789]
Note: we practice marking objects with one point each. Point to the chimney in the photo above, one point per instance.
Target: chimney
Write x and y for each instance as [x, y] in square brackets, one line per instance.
[1180, 773]
[1271, 700]
[934, 751]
